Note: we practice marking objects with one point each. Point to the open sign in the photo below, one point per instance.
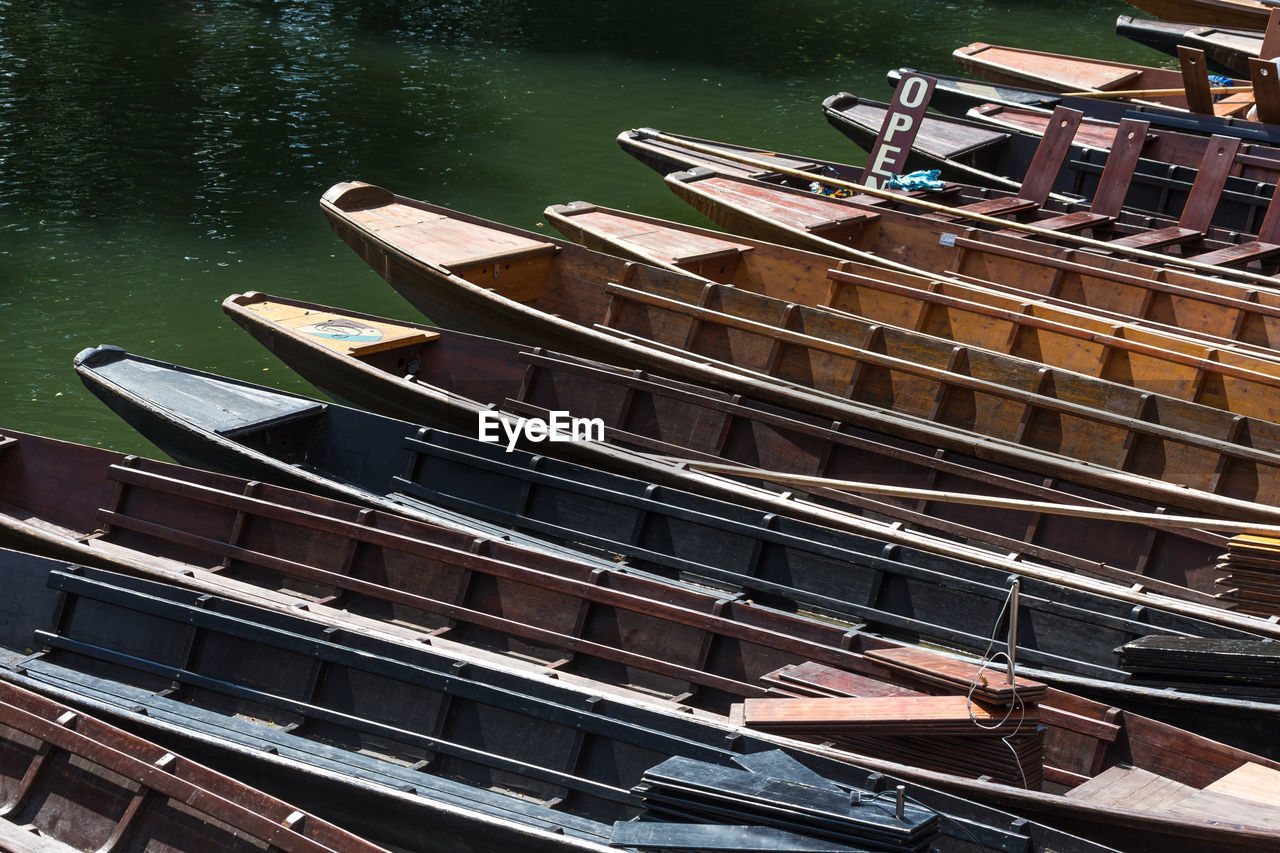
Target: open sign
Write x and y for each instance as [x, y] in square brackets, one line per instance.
[901, 123]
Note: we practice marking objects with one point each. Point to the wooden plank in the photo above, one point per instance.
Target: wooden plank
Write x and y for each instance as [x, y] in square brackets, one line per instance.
[1195, 79]
[941, 670]
[1058, 136]
[1225, 809]
[1251, 781]
[878, 714]
[1124, 786]
[1266, 89]
[898, 132]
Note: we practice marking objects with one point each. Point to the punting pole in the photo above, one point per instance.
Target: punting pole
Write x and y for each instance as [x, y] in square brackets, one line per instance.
[1153, 93]
[1060, 236]
[1048, 507]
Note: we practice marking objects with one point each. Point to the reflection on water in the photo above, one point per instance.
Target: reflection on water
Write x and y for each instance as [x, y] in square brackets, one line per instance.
[158, 157]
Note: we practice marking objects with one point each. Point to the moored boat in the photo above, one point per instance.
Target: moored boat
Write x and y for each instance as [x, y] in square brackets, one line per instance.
[1245, 14]
[74, 783]
[486, 753]
[1226, 49]
[914, 594]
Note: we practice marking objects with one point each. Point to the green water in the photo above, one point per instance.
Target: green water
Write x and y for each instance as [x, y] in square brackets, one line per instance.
[157, 157]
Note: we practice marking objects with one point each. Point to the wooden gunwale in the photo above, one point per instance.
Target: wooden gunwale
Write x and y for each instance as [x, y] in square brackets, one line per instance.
[1166, 561]
[1244, 14]
[160, 773]
[814, 642]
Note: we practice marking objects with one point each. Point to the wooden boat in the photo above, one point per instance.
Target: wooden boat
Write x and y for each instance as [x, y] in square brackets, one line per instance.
[1245, 14]
[1257, 163]
[966, 149]
[1014, 152]
[1218, 309]
[499, 754]
[1226, 49]
[695, 647]
[1055, 72]
[773, 558]
[703, 424]
[73, 782]
[649, 314]
[957, 95]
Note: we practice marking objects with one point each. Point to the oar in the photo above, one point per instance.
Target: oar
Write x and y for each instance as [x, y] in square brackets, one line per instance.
[1144, 254]
[1153, 93]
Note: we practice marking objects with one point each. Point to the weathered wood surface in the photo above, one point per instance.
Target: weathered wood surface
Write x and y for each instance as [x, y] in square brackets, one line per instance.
[71, 779]
[1245, 14]
[1052, 72]
[1227, 49]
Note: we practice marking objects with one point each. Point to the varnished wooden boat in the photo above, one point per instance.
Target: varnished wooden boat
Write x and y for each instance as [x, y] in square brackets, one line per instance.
[962, 148]
[901, 590]
[1258, 163]
[487, 753]
[1226, 49]
[957, 95]
[1055, 72]
[700, 423]
[810, 364]
[73, 782]
[1207, 370]
[1125, 291]
[693, 647]
[1245, 14]
[1003, 165]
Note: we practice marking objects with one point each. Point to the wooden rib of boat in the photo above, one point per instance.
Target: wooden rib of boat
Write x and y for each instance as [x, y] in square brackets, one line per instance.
[1245, 14]
[957, 95]
[981, 153]
[503, 756]
[700, 423]
[1226, 49]
[1055, 72]
[571, 298]
[695, 647]
[1258, 163]
[956, 309]
[73, 782]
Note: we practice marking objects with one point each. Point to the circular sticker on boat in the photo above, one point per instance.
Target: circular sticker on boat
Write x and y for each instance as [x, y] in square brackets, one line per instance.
[342, 329]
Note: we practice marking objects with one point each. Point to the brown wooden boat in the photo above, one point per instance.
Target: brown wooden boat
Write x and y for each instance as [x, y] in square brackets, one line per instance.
[73, 782]
[812, 222]
[1245, 14]
[1210, 371]
[405, 584]
[811, 359]
[701, 423]
[1226, 49]
[1254, 162]
[1055, 72]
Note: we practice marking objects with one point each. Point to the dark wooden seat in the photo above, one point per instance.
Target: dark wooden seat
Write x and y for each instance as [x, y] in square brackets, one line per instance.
[1197, 213]
[1113, 186]
[1041, 172]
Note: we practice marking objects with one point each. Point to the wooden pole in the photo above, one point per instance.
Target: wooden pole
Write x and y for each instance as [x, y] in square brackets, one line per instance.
[1152, 93]
[1012, 224]
[1069, 510]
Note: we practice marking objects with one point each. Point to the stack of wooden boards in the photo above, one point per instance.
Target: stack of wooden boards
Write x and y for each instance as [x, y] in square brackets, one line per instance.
[1249, 575]
[774, 803]
[1230, 667]
[984, 727]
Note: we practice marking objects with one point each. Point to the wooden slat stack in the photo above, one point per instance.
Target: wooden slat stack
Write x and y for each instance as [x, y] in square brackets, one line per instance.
[1246, 668]
[987, 736]
[1248, 575]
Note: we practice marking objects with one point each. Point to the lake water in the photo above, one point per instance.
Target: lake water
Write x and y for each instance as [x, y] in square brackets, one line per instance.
[157, 157]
